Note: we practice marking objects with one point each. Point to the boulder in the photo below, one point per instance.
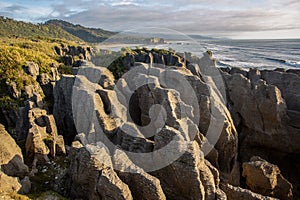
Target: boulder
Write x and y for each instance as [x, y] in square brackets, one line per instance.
[264, 110]
[34, 93]
[13, 90]
[234, 193]
[260, 113]
[9, 184]
[241, 71]
[32, 69]
[26, 186]
[215, 123]
[55, 75]
[11, 158]
[47, 86]
[60, 145]
[265, 178]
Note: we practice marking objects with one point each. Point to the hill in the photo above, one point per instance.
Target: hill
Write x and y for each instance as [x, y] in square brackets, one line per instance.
[92, 35]
[10, 27]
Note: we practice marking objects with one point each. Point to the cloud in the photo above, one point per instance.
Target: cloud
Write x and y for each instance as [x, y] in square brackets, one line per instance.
[219, 17]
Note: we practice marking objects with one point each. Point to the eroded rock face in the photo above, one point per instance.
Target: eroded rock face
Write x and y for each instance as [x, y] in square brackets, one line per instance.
[32, 69]
[119, 132]
[12, 167]
[62, 110]
[9, 184]
[42, 138]
[11, 158]
[265, 178]
[91, 175]
[142, 185]
[188, 177]
[234, 193]
[263, 108]
[288, 83]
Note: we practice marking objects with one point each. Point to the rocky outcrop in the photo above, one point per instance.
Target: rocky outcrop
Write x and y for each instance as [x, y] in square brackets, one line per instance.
[32, 69]
[142, 185]
[68, 53]
[91, 176]
[265, 178]
[62, 110]
[9, 184]
[42, 138]
[12, 167]
[234, 193]
[11, 158]
[13, 90]
[165, 131]
[263, 105]
[188, 175]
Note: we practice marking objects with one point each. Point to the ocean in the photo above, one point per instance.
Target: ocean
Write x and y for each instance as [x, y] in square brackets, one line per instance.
[261, 54]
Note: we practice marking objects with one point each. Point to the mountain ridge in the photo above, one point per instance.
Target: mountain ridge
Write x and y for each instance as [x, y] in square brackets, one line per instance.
[52, 29]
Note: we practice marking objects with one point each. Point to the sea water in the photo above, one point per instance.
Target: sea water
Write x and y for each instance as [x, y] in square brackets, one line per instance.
[261, 54]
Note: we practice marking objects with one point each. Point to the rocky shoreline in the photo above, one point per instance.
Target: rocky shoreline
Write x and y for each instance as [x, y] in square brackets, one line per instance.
[255, 156]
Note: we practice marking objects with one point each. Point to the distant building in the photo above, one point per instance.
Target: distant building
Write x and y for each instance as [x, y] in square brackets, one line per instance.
[157, 41]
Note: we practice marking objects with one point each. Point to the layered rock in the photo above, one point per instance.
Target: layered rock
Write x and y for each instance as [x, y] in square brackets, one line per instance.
[266, 179]
[234, 193]
[62, 109]
[191, 176]
[288, 83]
[263, 105]
[12, 167]
[142, 185]
[9, 184]
[32, 69]
[11, 158]
[91, 175]
[42, 138]
[146, 136]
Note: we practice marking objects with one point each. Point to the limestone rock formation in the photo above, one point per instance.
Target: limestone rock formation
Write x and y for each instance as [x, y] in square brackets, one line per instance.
[12, 167]
[192, 177]
[9, 184]
[265, 178]
[42, 137]
[31, 69]
[263, 105]
[62, 110]
[11, 158]
[91, 175]
[142, 185]
[13, 90]
[234, 193]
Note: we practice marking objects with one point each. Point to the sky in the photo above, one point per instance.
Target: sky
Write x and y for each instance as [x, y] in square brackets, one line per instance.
[242, 19]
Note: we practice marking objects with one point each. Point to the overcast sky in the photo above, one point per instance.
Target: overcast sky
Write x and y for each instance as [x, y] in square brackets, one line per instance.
[223, 18]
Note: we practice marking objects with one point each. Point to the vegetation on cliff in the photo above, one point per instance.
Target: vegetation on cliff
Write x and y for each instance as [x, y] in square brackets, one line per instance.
[92, 35]
[10, 27]
[15, 52]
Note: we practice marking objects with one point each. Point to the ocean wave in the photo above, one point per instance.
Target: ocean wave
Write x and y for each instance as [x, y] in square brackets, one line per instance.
[275, 60]
[287, 62]
[293, 64]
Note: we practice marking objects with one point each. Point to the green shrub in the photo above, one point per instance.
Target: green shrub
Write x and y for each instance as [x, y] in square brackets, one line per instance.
[64, 69]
